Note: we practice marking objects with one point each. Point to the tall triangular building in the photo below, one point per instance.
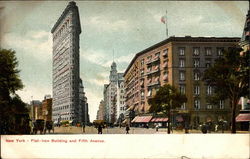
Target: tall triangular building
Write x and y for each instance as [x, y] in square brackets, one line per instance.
[66, 66]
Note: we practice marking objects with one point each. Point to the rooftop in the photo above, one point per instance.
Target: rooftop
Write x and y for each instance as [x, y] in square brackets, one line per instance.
[183, 39]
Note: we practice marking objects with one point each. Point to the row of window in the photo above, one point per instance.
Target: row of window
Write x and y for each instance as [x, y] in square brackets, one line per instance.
[196, 51]
[196, 75]
[67, 118]
[196, 63]
[122, 108]
[209, 89]
[156, 57]
[197, 104]
[62, 29]
[61, 108]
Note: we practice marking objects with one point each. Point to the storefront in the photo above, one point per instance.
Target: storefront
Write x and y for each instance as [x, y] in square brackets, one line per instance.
[243, 121]
[141, 121]
[160, 121]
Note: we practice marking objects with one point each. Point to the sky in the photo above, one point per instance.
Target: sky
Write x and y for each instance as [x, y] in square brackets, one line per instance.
[125, 27]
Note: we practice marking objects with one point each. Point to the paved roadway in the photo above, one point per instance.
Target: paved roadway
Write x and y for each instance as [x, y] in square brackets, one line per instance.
[117, 130]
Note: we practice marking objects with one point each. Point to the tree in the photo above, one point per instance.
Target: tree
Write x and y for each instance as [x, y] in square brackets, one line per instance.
[10, 82]
[230, 78]
[166, 99]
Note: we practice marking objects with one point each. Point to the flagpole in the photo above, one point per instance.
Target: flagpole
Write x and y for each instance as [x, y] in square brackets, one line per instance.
[166, 24]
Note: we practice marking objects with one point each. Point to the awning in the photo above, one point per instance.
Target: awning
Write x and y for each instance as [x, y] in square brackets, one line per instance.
[156, 79]
[125, 121]
[141, 119]
[134, 119]
[165, 77]
[165, 64]
[159, 120]
[156, 67]
[243, 117]
[142, 83]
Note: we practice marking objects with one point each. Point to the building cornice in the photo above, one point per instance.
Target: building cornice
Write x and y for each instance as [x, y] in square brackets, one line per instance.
[182, 39]
[70, 7]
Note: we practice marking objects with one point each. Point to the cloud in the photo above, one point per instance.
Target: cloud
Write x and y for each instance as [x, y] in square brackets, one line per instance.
[95, 56]
[35, 92]
[37, 44]
[104, 23]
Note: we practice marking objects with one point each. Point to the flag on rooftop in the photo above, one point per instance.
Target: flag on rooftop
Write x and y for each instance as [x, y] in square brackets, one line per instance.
[164, 19]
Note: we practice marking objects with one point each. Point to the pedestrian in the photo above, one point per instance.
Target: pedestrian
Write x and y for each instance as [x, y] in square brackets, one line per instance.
[83, 128]
[157, 127]
[216, 128]
[127, 129]
[100, 129]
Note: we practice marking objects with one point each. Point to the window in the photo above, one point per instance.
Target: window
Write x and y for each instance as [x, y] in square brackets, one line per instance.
[182, 76]
[208, 63]
[157, 54]
[142, 72]
[209, 90]
[197, 90]
[181, 62]
[149, 92]
[165, 76]
[142, 94]
[149, 68]
[221, 104]
[209, 106]
[197, 104]
[182, 51]
[182, 89]
[149, 58]
[219, 51]
[183, 106]
[196, 63]
[196, 76]
[142, 62]
[196, 51]
[165, 52]
[208, 51]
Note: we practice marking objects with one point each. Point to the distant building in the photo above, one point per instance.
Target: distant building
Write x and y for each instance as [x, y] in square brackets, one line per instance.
[112, 96]
[178, 61]
[47, 108]
[83, 108]
[101, 111]
[121, 106]
[36, 110]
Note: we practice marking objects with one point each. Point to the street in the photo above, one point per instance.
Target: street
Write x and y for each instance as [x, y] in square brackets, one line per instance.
[118, 130]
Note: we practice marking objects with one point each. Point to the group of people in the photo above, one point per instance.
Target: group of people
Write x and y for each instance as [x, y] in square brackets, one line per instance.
[100, 127]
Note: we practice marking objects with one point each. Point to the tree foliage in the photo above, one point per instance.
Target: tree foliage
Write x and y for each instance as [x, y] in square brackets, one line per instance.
[10, 103]
[166, 98]
[230, 78]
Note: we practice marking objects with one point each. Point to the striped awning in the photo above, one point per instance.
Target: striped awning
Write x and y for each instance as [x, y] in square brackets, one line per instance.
[142, 119]
[243, 117]
[155, 120]
[165, 77]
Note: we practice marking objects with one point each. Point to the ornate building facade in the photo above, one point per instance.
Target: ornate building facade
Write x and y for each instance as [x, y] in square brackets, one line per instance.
[66, 78]
[178, 61]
